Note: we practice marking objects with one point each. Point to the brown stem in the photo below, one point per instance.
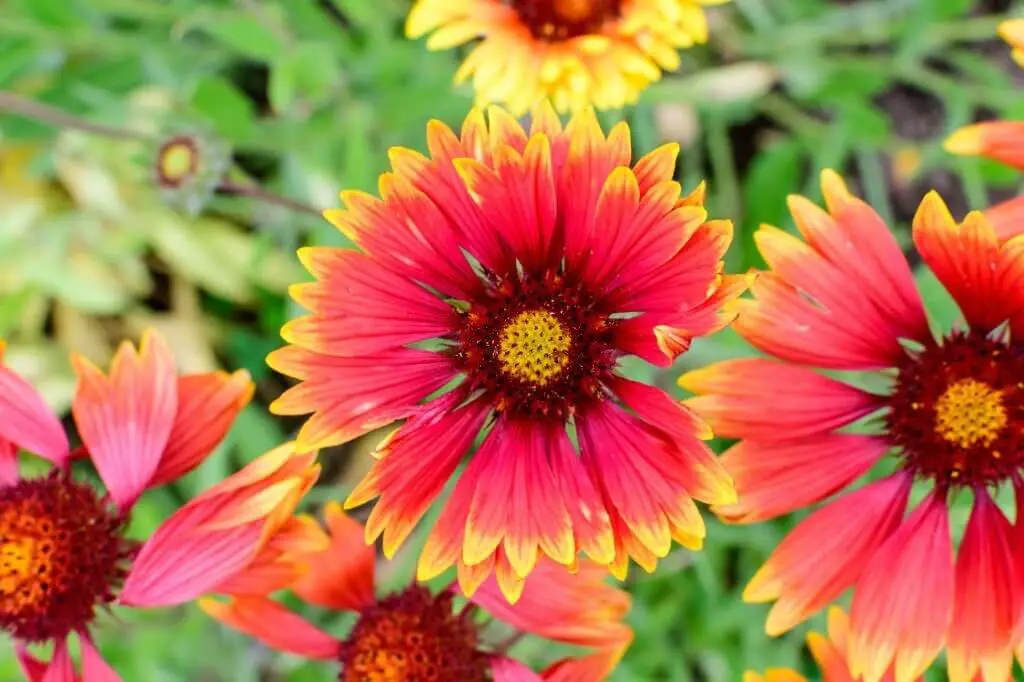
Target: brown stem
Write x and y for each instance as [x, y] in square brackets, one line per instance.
[504, 646]
[257, 192]
[28, 108]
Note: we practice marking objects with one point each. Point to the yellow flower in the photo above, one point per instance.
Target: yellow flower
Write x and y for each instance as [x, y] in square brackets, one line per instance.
[574, 52]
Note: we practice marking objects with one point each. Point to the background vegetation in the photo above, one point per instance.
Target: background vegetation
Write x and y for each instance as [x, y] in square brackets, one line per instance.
[296, 99]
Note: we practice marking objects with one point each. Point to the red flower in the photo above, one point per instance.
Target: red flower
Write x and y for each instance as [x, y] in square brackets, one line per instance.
[952, 410]
[497, 285]
[1002, 141]
[417, 635]
[65, 552]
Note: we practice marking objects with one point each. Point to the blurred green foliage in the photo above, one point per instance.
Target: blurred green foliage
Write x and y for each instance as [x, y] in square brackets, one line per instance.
[297, 99]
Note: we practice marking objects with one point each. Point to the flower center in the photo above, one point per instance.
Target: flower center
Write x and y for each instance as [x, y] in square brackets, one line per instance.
[413, 636]
[177, 161]
[958, 411]
[534, 347]
[970, 412]
[563, 19]
[62, 554]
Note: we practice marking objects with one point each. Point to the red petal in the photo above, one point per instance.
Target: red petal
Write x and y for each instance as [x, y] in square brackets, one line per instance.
[778, 477]
[275, 626]
[1007, 218]
[207, 407]
[415, 464]
[126, 419]
[1002, 141]
[767, 400]
[590, 668]
[9, 472]
[903, 601]
[826, 552]
[986, 279]
[987, 599]
[573, 607]
[352, 396]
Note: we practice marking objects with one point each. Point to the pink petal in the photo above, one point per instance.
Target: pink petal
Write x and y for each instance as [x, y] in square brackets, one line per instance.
[125, 420]
[94, 668]
[27, 421]
[61, 668]
[507, 670]
[180, 562]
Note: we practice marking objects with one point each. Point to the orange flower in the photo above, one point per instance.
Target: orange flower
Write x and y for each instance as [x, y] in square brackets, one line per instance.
[65, 550]
[1002, 141]
[417, 635]
[843, 298]
[577, 53]
[496, 287]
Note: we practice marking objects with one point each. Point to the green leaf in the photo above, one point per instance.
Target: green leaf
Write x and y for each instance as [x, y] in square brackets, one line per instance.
[228, 110]
[773, 174]
[864, 121]
[307, 73]
[243, 34]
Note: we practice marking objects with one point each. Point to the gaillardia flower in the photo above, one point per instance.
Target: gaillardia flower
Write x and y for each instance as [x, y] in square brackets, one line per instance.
[578, 53]
[65, 553]
[843, 298]
[1001, 141]
[829, 652]
[417, 636]
[497, 285]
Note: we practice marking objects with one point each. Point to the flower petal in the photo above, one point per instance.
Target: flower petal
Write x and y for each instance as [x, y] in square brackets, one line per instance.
[639, 474]
[903, 602]
[414, 464]
[778, 477]
[94, 668]
[507, 670]
[590, 668]
[274, 625]
[985, 278]
[352, 396]
[60, 669]
[987, 598]
[220, 532]
[27, 421]
[767, 400]
[826, 552]
[126, 419]
[1007, 217]
[207, 407]
[1001, 141]
[578, 608]
[341, 577]
[9, 470]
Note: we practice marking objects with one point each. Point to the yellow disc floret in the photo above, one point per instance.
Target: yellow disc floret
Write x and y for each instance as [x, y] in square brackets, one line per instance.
[534, 347]
[970, 413]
